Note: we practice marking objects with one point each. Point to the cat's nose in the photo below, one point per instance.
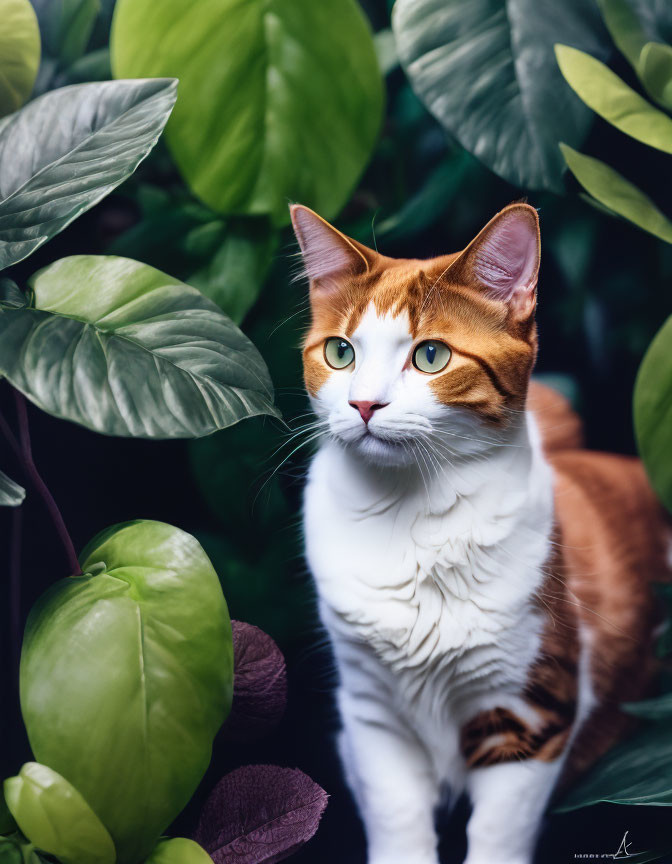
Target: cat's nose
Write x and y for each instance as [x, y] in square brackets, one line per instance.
[366, 409]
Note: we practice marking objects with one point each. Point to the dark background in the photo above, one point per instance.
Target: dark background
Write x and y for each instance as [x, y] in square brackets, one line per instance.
[604, 291]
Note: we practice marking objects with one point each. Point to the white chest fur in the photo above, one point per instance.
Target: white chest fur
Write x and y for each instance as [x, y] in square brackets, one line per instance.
[427, 580]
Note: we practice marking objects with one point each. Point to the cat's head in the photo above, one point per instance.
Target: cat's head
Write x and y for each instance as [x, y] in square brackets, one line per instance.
[406, 353]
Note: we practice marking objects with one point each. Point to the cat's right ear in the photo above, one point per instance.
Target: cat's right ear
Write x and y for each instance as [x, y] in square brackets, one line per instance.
[328, 255]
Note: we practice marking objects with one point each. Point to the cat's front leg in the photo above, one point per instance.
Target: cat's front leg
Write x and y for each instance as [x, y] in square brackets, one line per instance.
[392, 780]
[508, 800]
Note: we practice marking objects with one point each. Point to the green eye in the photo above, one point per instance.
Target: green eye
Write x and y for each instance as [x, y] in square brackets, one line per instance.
[338, 353]
[431, 356]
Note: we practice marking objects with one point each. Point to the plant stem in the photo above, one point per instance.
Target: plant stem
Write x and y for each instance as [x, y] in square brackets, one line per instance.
[41, 486]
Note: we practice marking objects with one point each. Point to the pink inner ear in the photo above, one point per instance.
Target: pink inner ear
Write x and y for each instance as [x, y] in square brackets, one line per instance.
[326, 253]
[507, 259]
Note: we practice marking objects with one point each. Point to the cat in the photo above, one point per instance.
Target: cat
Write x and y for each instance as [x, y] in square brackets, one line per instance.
[485, 584]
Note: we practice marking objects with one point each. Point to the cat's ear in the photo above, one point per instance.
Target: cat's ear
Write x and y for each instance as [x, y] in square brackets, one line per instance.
[503, 259]
[328, 255]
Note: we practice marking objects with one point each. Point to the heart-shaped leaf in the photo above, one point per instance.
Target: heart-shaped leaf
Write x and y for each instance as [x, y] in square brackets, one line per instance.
[616, 193]
[611, 98]
[124, 349]
[178, 850]
[260, 684]
[53, 815]
[11, 494]
[126, 676]
[278, 101]
[260, 814]
[63, 152]
[484, 69]
[19, 53]
[652, 405]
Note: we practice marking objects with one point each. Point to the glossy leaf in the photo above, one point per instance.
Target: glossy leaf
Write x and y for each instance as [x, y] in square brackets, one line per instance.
[260, 684]
[178, 850]
[638, 771]
[612, 99]
[126, 676]
[11, 494]
[482, 68]
[53, 815]
[66, 26]
[235, 275]
[652, 404]
[278, 101]
[124, 349]
[260, 813]
[19, 53]
[63, 152]
[618, 194]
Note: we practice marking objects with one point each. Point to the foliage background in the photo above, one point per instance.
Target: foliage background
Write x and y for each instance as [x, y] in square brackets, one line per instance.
[604, 292]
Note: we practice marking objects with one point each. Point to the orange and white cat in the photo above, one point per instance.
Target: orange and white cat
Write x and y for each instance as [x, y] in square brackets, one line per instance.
[485, 585]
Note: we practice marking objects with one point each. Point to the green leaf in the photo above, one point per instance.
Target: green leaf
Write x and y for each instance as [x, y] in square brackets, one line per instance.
[11, 494]
[658, 708]
[612, 99]
[63, 152]
[278, 101]
[235, 275]
[618, 194]
[624, 27]
[652, 405]
[11, 296]
[7, 823]
[655, 72]
[638, 771]
[66, 26]
[126, 676]
[179, 850]
[53, 815]
[483, 69]
[19, 53]
[124, 349]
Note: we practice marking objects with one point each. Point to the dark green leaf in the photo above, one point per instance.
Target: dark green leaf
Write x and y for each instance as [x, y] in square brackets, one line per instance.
[126, 350]
[126, 676]
[94, 66]
[11, 494]
[66, 26]
[53, 815]
[484, 69]
[638, 771]
[235, 275]
[624, 27]
[178, 850]
[611, 98]
[63, 152]
[278, 101]
[19, 53]
[11, 296]
[618, 194]
[653, 412]
[655, 72]
[651, 709]
[7, 823]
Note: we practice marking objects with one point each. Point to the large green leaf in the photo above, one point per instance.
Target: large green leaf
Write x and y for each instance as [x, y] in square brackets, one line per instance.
[485, 70]
[66, 26]
[178, 850]
[126, 676]
[639, 771]
[63, 152]
[124, 349]
[279, 99]
[653, 412]
[611, 98]
[11, 494]
[53, 815]
[618, 194]
[19, 53]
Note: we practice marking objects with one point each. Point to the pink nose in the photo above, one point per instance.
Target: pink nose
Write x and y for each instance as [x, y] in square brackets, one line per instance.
[366, 409]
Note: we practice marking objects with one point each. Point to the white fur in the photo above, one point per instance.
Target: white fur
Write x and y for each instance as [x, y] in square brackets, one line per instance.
[426, 535]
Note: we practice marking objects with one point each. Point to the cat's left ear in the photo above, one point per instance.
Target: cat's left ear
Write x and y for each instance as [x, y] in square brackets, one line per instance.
[504, 259]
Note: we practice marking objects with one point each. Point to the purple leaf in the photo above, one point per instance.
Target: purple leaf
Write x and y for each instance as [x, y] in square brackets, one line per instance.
[259, 684]
[260, 813]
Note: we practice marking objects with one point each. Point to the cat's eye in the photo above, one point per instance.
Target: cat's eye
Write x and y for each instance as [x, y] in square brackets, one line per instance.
[431, 356]
[338, 352]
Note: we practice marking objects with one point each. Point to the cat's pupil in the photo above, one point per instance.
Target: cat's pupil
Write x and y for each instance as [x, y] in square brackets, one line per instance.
[342, 348]
[430, 353]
